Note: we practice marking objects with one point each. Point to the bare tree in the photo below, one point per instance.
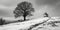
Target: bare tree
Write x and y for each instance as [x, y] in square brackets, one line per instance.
[23, 9]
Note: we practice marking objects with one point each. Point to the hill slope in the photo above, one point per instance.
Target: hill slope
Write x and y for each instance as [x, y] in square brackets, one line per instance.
[34, 24]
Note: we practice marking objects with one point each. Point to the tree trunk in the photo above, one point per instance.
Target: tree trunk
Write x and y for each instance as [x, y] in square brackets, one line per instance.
[24, 18]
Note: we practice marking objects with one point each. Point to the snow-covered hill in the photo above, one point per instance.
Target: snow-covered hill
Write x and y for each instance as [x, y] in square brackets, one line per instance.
[34, 24]
[52, 24]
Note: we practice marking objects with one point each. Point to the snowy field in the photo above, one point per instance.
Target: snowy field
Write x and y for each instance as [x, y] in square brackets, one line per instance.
[27, 24]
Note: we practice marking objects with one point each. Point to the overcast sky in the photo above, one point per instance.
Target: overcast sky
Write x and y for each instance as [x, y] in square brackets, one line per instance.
[52, 7]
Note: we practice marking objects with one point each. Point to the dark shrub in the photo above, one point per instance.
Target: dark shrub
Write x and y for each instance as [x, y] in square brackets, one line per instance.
[2, 21]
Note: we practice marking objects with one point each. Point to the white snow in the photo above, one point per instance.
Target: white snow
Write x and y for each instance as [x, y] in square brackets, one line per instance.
[27, 24]
[22, 25]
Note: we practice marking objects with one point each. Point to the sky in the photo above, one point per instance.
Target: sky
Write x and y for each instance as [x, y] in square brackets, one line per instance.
[52, 7]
